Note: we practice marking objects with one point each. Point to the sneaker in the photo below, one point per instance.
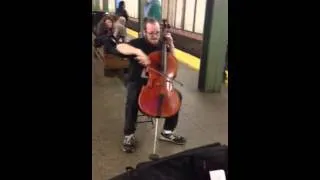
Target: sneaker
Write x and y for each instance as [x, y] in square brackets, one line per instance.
[171, 137]
[129, 143]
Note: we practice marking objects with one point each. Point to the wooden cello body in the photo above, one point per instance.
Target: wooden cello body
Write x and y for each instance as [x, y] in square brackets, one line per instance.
[158, 98]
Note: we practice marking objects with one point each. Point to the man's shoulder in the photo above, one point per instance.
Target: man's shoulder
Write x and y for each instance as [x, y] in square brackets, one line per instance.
[136, 41]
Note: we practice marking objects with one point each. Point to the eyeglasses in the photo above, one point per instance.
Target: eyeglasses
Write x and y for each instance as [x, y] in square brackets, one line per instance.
[153, 33]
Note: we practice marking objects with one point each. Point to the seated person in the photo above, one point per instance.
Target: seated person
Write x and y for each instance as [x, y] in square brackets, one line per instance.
[105, 27]
[120, 31]
[104, 31]
[110, 33]
[119, 34]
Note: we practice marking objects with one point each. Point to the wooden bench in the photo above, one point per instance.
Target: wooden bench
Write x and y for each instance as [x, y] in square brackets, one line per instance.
[111, 62]
[113, 65]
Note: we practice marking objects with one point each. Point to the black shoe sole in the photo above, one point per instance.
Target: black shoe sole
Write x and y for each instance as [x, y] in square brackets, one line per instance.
[171, 141]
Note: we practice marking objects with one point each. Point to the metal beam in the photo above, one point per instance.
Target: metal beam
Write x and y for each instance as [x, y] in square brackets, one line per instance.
[101, 5]
[215, 37]
[183, 14]
[194, 15]
[141, 16]
[105, 5]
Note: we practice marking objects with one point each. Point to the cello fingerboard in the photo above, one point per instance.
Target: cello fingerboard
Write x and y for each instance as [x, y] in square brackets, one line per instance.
[164, 58]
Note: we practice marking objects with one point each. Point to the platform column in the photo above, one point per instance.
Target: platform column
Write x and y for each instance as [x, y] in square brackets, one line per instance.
[95, 5]
[215, 37]
[100, 5]
[141, 15]
[105, 5]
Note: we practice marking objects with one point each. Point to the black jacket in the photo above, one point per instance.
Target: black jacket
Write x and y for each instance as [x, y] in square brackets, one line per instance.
[194, 164]
[122, 12]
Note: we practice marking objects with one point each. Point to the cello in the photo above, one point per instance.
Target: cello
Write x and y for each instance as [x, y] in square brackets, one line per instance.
[158, 98]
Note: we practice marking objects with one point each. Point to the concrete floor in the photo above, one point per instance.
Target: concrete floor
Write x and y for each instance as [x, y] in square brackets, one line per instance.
[203, 120]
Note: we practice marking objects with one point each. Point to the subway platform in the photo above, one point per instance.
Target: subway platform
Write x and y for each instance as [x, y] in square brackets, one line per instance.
[203, 120]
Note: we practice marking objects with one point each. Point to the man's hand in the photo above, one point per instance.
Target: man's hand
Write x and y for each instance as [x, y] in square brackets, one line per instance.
[169, 43]
[142, 58]
[169, 39]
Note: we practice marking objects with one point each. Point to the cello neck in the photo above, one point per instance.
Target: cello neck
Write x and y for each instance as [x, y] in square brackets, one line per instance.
[164, 48]
[164, 58]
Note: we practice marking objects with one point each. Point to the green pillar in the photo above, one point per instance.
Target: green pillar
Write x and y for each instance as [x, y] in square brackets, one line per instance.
[95, 4]
[141, 15]
[105, 5]
[155, 10]
[215, 37]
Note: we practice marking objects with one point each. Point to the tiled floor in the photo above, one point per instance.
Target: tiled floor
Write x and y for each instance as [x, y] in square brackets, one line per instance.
[203, 120]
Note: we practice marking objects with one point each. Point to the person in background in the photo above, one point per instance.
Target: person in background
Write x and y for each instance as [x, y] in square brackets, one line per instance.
[152, 9]
[105, 27]
[121, 10]
[120, 31]
[104, 31]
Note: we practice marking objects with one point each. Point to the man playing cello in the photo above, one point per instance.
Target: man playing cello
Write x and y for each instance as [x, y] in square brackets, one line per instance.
[138, 49]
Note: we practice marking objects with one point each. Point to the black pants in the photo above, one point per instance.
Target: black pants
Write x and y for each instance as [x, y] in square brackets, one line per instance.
[133, 89]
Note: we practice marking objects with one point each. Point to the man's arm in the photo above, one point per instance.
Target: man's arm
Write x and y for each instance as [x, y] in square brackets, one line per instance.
[170, 44]
[171, 49]
[129, 50]
[110, 47]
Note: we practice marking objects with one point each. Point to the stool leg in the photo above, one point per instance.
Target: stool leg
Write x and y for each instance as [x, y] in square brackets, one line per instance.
[151, 122]
[154, 156]
[155, 137]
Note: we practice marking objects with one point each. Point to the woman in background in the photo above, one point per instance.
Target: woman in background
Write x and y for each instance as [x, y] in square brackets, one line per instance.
[104, 34]
[105, 27]
[121, 10]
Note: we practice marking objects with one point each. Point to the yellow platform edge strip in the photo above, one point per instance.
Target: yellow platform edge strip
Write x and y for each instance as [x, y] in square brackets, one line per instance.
[185, 58]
